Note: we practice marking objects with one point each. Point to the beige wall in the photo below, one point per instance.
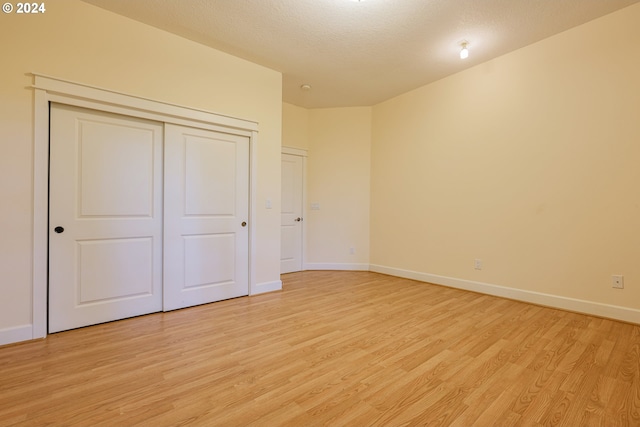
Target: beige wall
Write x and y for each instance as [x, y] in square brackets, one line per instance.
[528, 162]
[295, 126]
[338, 178]
[82, 43]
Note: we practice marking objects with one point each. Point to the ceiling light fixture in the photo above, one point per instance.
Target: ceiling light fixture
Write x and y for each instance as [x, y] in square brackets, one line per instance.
[464, 52]
[305, 87]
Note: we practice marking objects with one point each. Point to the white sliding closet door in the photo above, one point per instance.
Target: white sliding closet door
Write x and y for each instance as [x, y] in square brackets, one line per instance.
[105, 217]
[206, 214]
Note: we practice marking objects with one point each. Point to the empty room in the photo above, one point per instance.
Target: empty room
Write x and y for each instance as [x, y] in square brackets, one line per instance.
[328, 212]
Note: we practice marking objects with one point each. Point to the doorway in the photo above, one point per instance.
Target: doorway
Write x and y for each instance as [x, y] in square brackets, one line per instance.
[49, 90]
[292, 218]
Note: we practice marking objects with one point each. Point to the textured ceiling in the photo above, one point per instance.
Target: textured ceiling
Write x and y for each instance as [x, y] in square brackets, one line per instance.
[360, 53]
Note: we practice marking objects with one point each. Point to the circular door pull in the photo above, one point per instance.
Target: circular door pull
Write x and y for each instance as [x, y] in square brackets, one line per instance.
[298, 219]
[58, 229]
[244, 223]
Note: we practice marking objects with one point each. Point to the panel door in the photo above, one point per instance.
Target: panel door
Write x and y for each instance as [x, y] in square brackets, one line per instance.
[105, 213]
[206, 208]
[291, 214]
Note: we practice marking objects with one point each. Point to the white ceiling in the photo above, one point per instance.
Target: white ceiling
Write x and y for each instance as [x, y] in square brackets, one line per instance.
[361, 53]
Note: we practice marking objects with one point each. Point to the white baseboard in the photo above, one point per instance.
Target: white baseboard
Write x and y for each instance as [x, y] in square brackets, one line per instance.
[16, 334]
[581, 306]
[261, 288]
[336, 266]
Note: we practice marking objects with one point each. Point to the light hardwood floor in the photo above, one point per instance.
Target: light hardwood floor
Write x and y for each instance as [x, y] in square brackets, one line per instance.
[333, 348]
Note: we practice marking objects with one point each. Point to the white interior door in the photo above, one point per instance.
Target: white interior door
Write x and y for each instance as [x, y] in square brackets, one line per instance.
[105, 234]
[291, 214]
[206, 209]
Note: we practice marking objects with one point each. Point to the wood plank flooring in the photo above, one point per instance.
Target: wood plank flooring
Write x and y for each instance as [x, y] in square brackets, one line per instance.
[333, 348]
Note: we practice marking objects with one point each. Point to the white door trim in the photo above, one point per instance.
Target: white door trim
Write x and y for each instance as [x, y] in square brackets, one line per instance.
[49, 89]
[294, 151]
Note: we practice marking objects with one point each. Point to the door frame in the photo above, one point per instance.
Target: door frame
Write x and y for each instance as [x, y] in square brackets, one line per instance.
[50, 89]
[301, 153]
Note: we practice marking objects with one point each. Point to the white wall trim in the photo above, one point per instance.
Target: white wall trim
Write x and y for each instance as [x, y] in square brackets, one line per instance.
[305, 216]
[16, 334]
[253, 215]
[40, 215]
[261, 288]
[79, 94]
[48, 89]
[294, 151]
[555, 301]
[335, 266]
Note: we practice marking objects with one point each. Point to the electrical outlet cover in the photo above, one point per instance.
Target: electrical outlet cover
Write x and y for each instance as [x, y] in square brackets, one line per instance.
[617, 281]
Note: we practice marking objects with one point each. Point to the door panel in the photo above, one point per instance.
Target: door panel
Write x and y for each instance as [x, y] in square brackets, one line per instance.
[105, 178]
[291, 214]
[113, 268]
[210, 176]
[209, 260]
[206, 246]
[116, 170]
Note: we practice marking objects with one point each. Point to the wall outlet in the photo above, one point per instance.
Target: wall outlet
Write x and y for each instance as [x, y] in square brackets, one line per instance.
[617, 281]
[352, 251]
[477, 264]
